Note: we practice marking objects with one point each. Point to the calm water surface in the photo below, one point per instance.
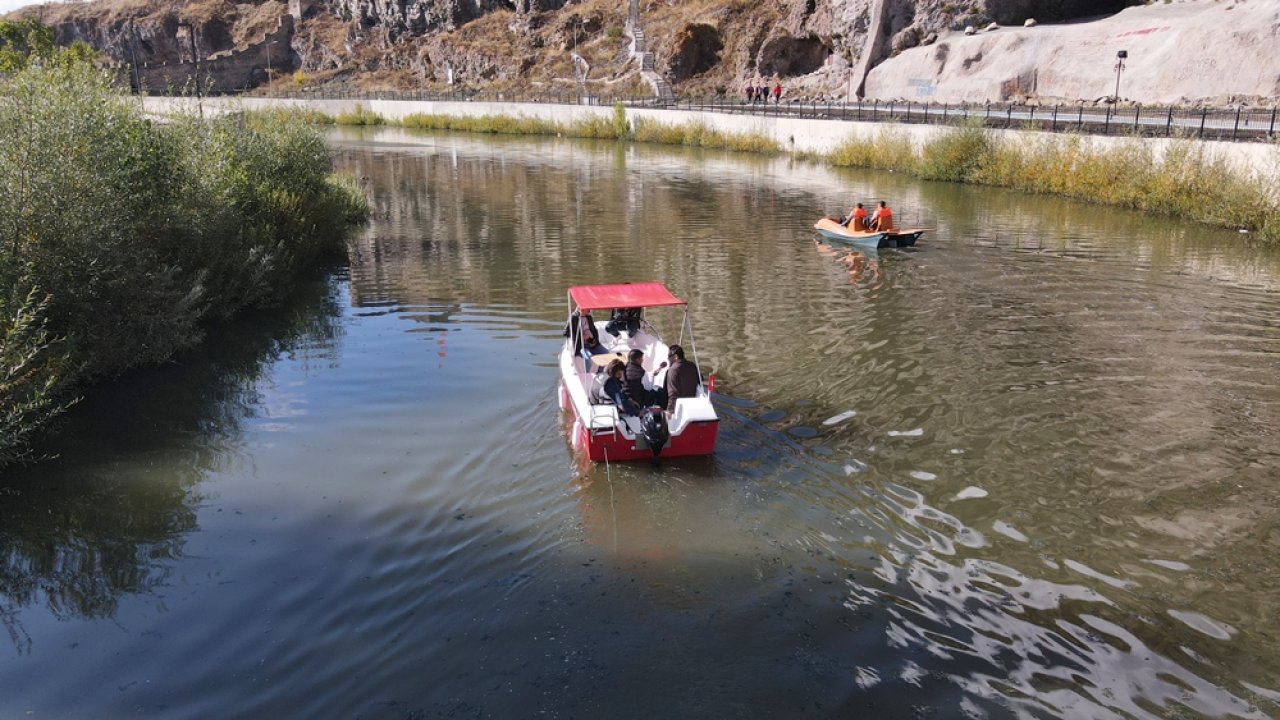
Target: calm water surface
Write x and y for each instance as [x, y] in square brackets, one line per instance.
[1029, 470]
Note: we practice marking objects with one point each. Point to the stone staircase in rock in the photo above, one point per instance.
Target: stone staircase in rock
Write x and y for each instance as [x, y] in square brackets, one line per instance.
[661, 88]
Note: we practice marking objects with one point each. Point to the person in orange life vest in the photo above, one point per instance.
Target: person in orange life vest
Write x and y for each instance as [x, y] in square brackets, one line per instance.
[856, 219]
[882, 220]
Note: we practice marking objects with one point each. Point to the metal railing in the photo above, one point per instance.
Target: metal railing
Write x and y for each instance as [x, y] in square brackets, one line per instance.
[1239, 124]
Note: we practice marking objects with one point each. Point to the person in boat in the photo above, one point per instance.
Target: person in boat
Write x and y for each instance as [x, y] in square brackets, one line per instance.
[856, 219]
[582, 328]
[639, 387]
[609, 389]
[682, 377]
[579, 330]
[591, 346]
[882, 219]
[623, 319]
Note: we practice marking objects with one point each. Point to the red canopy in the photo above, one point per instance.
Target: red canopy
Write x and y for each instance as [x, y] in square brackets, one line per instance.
[607, 297]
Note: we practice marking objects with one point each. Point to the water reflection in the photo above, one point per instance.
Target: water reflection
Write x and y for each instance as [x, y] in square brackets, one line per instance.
[106, 513]
[1024, 471]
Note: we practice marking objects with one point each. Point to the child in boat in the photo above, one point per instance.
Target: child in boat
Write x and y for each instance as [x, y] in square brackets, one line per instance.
[608, 389]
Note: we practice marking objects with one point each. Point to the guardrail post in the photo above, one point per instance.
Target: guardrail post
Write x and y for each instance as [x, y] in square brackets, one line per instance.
[987, 117]
[874, 109]
[1272, 130]
[1008, 120]
[944, 113]
[1031, 116]
[1237, 126]
[1168, 124]
[1106, 124]
[1203, 112]
[1080, 117]
[1136, 112]
[1054, 126]
[908, 112]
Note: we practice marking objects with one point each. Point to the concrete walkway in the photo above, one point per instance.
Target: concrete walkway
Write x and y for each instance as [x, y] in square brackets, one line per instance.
[793, 134]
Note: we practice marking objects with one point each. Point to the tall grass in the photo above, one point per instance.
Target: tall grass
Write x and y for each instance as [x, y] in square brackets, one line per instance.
[956, 155]
[889, 149]
[699, 134]
[120, 237]
[492, 124]
[1187, 180]
[359, 116]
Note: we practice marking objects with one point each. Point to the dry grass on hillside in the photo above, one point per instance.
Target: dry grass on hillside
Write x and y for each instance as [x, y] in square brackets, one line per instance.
[107, 10]
[257, 20]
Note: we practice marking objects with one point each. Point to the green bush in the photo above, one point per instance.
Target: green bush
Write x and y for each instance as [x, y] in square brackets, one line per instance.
[120, 237]
[33, 373]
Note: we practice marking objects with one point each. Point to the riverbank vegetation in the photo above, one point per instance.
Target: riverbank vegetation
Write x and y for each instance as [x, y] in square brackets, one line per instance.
[616, 127]
[1187, 180]
[121, 238]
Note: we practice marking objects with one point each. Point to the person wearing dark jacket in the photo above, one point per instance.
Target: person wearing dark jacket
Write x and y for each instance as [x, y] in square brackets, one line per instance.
[682, 378]
[634, 377]
[579, 330]
[608, 389]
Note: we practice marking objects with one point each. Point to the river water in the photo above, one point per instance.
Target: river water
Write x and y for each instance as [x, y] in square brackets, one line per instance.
[1027, 470]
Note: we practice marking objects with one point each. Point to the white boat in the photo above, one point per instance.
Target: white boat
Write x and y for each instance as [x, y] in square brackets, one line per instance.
[604, 433]
[874, 239]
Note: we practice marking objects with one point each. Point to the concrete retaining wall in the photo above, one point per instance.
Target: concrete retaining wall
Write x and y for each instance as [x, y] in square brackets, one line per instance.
[794, 134]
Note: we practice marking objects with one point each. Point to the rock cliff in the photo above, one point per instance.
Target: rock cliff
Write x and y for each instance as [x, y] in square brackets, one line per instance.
[1049, 49]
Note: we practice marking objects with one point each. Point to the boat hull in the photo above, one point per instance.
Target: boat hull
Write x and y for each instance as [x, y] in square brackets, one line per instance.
[834, 231]
[612, 445]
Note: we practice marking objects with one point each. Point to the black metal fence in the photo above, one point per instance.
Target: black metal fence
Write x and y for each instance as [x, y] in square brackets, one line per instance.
[1241, 124]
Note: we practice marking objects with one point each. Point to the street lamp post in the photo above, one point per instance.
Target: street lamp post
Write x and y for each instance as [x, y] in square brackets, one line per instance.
[1120, 57]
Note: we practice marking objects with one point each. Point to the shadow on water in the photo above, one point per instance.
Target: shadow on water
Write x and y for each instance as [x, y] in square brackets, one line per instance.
[92, 521]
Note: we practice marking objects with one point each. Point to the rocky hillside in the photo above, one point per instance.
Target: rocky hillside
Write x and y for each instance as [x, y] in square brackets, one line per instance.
[816, 48]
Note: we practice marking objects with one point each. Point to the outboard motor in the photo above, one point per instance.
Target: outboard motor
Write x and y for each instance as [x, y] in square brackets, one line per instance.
[653, 426]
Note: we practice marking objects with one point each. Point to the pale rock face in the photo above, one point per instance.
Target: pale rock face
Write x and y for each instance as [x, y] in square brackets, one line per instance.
[890, 49]
[1177, 53]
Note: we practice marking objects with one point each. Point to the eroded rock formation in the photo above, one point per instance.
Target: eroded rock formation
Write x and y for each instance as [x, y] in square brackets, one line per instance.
[817, 48]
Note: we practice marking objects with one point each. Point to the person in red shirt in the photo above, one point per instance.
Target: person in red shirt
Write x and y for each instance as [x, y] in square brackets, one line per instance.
[777, 93]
